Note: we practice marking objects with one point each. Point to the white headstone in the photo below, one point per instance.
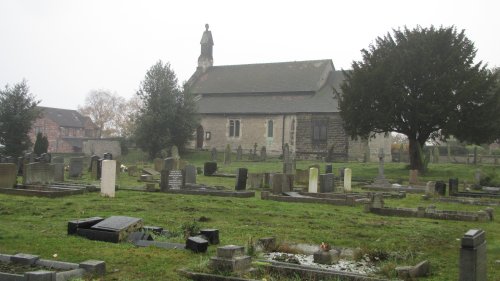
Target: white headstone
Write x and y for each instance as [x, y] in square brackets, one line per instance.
[313, 180]
[347, 179]
[108, 178]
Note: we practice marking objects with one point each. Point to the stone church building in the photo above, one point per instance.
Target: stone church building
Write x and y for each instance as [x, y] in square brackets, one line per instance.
[272, 104]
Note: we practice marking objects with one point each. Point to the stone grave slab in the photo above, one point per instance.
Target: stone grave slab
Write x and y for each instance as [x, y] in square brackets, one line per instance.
[38, 173]
[197, 244]
[150, 171]
[119, 224]
[82, 223]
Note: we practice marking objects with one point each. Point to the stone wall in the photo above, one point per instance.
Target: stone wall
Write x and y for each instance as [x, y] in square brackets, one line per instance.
[253, 129]
[101, 146]
[336, 137]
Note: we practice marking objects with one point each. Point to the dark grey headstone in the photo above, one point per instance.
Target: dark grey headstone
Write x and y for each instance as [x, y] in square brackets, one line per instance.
[473, 261]
[197, 244]
[453, 186]
[58, 159]
[329, 169]
[212, 235]
[209, 168]
[440, 188]
[241, 179]
[116, 223]
[213, 154]
[82, 223]
[325, 183]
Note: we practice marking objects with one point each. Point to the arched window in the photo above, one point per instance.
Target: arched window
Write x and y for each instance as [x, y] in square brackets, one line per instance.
[270, 130]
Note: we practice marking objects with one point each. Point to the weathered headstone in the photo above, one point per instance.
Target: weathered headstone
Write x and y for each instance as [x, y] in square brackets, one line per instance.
[267, 180]
[381, 180]
[8, 175]
[255, 180]
[132, 171]
[171, 163]
[477, 177]
[313, 180]
[108, 178]
[227, 155]
[213, 154]
[473, 262]
[197, 244]
[38, 173]
[190, 174]
[239, 153]
[302, 176]
[209, 168]
[176, 179]
[263, 153]
[430, 188]
[94, 167]
[347, 179]
[326, 183]
[377, 200]
[277, 183]
[121, 225]
[230, 258]
[75, 167]
[58, 172]
[287, 161]
[241, 179]
[158, 164]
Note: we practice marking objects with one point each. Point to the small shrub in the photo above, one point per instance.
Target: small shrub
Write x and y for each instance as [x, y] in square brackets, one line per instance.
[190, 228]
[250, 247]
[371, 255]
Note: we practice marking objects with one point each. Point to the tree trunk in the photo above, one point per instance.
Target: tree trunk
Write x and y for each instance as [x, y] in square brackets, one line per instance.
[415, 158]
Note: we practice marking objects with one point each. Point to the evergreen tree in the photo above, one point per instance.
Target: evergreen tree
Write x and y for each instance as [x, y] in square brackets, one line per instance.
[38, 148]
[422, 83]
[18, 111]
[167, 115]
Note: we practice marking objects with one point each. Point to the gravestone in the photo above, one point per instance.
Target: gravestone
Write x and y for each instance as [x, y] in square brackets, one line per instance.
[38, 173]
[58, 172]
[440, 188]
[329, 169]
[313, 180]
[239, 153]
[175, 179]
[241, 179]
[75, 167]
[171, 163]
[326, 183]
[287, 160]
[227, 155]
[197, 244]
[347, 179]
[121, 225]
[190, 174]
[213, 154]
[341, 173]
[20, 163]
[107, 156]
[95, 167]
[381, 180]
[255, 180]
[209, 168]
[267, 180]
[8, 175]
[453, 185]
[430, 188]
[477, 177]
[108, 178]
[302, 176]
[277, 183]
[263, 154]
[174, 152]
[473, 262]
[230, 258]
[158, 164]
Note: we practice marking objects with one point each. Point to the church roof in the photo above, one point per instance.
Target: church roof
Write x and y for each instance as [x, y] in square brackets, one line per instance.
[285, 87]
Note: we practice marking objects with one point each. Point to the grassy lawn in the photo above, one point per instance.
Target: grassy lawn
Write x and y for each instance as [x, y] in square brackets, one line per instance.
[38, 225]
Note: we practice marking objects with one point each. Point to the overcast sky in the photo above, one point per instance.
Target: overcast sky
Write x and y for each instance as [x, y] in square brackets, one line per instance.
[66, 48]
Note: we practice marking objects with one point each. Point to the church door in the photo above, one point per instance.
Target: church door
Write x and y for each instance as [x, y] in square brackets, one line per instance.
[199, 137]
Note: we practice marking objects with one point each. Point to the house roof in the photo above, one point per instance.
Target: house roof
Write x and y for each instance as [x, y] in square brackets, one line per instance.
[289, 87]
[64, 117]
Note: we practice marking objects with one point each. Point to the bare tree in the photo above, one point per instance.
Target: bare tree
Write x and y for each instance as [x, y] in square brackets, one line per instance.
[102, 107]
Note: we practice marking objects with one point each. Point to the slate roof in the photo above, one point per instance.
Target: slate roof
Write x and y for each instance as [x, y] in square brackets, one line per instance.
[64, 117]
[271, 88]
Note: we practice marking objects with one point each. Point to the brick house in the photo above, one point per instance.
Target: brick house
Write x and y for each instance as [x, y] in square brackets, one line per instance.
[272, 104]
[65, 129]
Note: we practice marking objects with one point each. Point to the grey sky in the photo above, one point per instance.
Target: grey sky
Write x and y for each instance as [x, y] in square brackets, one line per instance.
[66, 48]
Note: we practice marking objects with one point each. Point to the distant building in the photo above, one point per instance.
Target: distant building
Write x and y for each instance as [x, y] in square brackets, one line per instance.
[272, 104]
[65, 129]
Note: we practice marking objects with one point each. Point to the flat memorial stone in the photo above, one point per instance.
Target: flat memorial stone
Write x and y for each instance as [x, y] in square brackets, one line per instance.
[121, 224]
[197, 244]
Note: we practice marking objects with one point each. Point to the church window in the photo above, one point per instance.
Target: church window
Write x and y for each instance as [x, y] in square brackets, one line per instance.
[234, 128]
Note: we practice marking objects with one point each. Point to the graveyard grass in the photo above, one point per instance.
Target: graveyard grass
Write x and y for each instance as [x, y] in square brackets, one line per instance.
[38, 225]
